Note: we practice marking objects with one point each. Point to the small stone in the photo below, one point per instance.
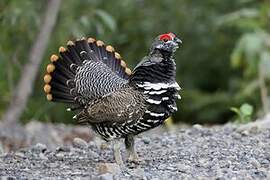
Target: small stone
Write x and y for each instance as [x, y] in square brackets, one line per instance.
[79, 143]
[106, 176]
[8, 178]
[182, 167]
[92, 144]
[255, 163]
[42, 156]
[236, 135]
[1, 148]
[146, 140]
[245, 133]
[63, 149]
[104, 146]
[60, 156]
[197, 126]
[111, 168]
[20, 154]
[40, 147]
[139, 173]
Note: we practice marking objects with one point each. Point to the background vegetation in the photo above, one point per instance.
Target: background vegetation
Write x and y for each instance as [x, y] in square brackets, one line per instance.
[224, 61]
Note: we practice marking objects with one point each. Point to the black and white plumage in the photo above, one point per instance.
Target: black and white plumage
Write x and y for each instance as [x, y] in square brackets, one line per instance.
[116, 102]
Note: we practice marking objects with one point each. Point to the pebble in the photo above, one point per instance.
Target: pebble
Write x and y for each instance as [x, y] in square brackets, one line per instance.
[60, 156]
[40, 147]
[255, 163]
[42, 156]
[79, 143]
[8, 178]
[245, 133]
[20, 154]
[106, 176]
[63, 149]
[146, 140]
[197, 126]
[111, 168]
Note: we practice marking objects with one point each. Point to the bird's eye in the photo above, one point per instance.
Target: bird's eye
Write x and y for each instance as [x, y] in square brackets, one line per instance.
[165, 39]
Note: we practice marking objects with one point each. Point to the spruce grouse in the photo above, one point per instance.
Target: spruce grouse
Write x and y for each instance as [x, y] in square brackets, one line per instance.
[115, 101]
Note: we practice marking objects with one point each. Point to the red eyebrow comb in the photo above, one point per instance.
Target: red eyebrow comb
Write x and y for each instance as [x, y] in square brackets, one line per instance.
[172, 34]
[168, 36]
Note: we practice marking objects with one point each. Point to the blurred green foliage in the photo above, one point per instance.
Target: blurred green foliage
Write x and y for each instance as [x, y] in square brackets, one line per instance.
[217, 36]
[243, 113]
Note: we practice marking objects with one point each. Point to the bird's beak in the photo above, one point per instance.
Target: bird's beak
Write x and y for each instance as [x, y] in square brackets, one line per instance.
[177, 40]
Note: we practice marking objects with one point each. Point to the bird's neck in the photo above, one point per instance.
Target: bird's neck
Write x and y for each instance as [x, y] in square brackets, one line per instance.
[163, 70]
[163, 54]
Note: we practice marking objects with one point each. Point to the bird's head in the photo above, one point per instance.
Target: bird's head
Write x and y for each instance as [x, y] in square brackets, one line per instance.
[167, 43]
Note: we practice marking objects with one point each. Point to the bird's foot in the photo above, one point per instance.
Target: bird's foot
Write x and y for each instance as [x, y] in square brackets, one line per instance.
[134, 161]
[133, 157]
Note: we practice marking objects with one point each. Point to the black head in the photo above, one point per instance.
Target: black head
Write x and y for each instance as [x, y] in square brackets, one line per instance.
[166, 43]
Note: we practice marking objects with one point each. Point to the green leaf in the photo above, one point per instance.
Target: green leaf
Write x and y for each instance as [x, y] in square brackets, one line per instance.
[107, 19]
[246, 109]
[236, 110]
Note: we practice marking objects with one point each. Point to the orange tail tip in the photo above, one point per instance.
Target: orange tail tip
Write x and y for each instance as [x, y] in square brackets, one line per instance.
[50, 68]
[117, 55]
[70, 43]
[91, 40]
[100, 43]
[47, 78]
[62, 49]
[109, 48]
[128, 71]
[54, 58]
[47, 88]
[123, 64]
[49, 97]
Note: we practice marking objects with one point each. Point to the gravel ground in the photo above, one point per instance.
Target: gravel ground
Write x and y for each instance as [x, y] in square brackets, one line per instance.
[221, 152]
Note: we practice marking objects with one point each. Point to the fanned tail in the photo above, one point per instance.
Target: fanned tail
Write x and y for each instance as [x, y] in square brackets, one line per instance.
[60, 73]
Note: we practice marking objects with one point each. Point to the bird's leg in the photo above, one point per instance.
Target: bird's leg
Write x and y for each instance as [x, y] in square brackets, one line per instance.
[132, 155]
[117, 153]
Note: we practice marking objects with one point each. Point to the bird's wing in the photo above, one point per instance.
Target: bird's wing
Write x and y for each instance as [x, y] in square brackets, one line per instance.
[121, 106]
[85, 70]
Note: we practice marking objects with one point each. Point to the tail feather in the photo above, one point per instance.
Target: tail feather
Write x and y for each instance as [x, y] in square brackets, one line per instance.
[63, 69]
[73, 53]
[59, 86]
[82, 47]
[65, 55]
[59, 78]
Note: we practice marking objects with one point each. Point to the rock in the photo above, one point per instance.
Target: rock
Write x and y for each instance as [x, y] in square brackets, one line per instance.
[79, 143]
[43, 157]
[60, 156]
[40, 147]
[138, 173]
[63, 149]
[255, 163]
[20, 155]
[197, 126]
[106, 176]
[111, 168]
[1, 148]
[146, 140]
[245, 133]
[8, 178]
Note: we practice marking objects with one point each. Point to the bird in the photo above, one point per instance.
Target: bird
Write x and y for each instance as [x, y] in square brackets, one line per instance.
[117, 102]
